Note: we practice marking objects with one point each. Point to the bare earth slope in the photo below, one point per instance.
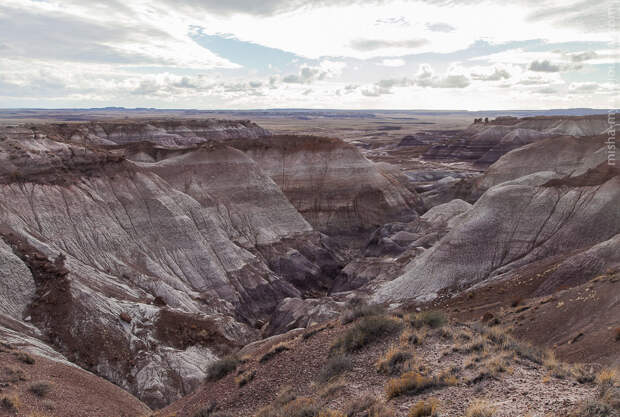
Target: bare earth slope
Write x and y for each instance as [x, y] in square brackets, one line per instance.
[519, 222]
[331, 183]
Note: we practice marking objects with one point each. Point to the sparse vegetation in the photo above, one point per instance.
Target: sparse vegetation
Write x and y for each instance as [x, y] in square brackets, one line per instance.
[335, 366]
[40, 389]
[245, 378]
[413, 336]
[358, 406]
[359, 310]
[409, 383]
[432, 319]
[275, 350]
[429, 408]
[25, 358]
[366, 331]
[10, 403]
[480, 408]
[222, 367]
[392, 361]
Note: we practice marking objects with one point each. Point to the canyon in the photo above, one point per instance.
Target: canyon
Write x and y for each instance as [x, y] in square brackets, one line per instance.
[138, 252]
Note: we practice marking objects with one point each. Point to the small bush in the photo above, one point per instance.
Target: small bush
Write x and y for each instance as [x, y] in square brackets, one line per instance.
[273, 352]
[428, 408]
[606, 379]
[40, 389]
[25, 358]
[361, 310]
[331, 390]
[595, 408]
[367, 331]
[409, 383]
[413, 336]
[222, 367]
[480, 408]
[335, 366]
[10, 403]
[245, 378]
[359, 406]
[581, 374]
[391, 362]
[432, 319]
[300, 407]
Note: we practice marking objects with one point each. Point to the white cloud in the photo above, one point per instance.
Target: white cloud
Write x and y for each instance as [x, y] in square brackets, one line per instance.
[392, 62]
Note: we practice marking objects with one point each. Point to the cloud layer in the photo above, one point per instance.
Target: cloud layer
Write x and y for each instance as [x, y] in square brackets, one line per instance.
[312, 53]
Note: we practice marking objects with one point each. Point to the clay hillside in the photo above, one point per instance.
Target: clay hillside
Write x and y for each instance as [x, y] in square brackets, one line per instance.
[207, 267]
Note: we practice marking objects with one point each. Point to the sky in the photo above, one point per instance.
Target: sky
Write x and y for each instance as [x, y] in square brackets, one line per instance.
[347, 54]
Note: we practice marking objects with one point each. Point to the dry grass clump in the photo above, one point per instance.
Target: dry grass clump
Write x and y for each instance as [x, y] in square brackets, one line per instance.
[429, 408]
[581, 374]
[480, 408]
[391, 363]
[413, 336]
[10, 403]
[606, 379]
[274, 351]
[245, 378]
[298, 407]
[222, 367]
[478, 345]
[366, 331]
[432, 319]
[608, 402]
[331, 390]
[359, 309]
[411, 383]
[25, 358]
[358, 406]
[40, 389]
[335, 366]
[367, 406]
[209, 411]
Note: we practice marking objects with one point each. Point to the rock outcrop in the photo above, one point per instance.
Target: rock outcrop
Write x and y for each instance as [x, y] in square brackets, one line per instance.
[331, 183]
[167, 132]
[484, 143]
[145, 272]
[516, 223]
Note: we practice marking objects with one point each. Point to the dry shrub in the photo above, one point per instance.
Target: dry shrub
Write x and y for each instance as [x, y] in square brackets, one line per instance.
[10, 403]
[413, 336]
[606, 379]
[25, 358]
[361, 310]
[432, 319]
[409, 383]
[332, 389]
[40, 389]
[392, 361]
[273, 352]
[335, 366]
[222, 367]
[245, 378]
[581, 374]
[429, 408]
[359, 406]
[368, 330]
[480, 408]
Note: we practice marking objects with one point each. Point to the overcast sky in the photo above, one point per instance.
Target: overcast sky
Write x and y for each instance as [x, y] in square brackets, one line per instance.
[236, 54]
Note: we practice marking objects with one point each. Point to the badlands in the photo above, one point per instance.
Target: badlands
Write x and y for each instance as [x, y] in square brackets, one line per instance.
[183, 265]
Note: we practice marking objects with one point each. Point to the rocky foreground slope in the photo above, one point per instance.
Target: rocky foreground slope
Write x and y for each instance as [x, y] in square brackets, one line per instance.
[419, 364]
